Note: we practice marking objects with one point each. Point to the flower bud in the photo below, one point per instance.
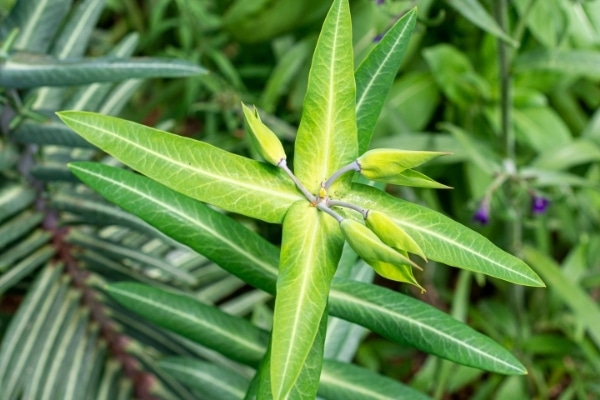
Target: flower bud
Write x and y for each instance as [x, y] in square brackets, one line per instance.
[386, 164]
[392, 234]
[264, 140]
[412, 178]
[384, 260]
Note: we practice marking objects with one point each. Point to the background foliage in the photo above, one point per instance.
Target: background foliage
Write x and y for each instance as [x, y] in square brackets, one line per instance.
[515, 147]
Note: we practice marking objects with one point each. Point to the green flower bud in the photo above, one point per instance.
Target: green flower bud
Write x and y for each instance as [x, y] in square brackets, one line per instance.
[398, 273]
[392, 234]
[414, 178]
[264, 140]
[386, 164]
[386, 261]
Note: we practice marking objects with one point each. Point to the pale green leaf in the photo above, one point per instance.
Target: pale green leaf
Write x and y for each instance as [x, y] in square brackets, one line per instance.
[445, 240]
[579, 151]
[585, 307]
[477, 14]
[326, 137]
[49, 132]
[25, 247]
[25, 267]
[191, 167]
[13, 198]
[376, 73]
[311, 248]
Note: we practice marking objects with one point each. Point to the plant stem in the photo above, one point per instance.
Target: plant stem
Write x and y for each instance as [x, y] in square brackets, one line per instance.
[337, 203]
[283, 165]
[353, 166]
[323, 207]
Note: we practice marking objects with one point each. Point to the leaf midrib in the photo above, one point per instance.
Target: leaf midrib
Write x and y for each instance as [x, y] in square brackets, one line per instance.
[184, 166]
[349, 299]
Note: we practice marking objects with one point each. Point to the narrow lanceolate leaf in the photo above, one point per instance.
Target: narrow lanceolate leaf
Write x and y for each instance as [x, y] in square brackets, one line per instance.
[350, 382]
[477, 14]
[211, 233]
[23, 71]
[406, 320]
[445, 240]
[375, 75]
[326, 137]
[311, 248]
[191, 167]
[234, 337]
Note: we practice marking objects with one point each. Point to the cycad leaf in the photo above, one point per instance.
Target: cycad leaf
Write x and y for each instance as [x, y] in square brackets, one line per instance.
[23, 268]
[191, 167]
[37, 21]
[376, 73]
[311, 248]
[23, 71]
[445, 240]
[327, 137]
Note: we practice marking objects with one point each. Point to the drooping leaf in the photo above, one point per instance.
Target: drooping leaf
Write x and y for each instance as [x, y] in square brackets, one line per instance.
[326, 138]
[376, 73]
[311, 248]
[445, 240]
[191, 167]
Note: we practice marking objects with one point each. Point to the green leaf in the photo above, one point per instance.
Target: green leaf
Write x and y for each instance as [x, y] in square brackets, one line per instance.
[18, 226]
[23, 268]
[571, 62]
[579, 151]
[326, 138]
[37, 21]
[191, 167]
[376, 73]
[211, 380]
[445, 240]
[217, 236]
[541, 127]
[234, 337]
[49, 132]
[13, 198]
[476, 14]
[411, 322]
[22, 71]
[311, 248]
[350, 382]
[23, 248]
[585, 308]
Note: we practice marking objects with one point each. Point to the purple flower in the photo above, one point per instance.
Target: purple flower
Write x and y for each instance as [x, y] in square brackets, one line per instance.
[379, 2]
[378, 38]
[539, 204]
[482, 215]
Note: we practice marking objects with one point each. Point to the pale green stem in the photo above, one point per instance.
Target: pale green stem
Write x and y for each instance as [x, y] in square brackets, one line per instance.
[337, 203]
[283, 165]
[353, 166]
[323, 207]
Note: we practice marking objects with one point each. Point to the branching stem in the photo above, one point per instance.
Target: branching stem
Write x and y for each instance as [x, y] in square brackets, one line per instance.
[323, 207]
[337, 203]
[283, 165]
[353, 166]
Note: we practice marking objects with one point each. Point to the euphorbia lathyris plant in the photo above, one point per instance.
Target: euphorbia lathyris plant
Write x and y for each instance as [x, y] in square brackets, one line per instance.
[320, 207]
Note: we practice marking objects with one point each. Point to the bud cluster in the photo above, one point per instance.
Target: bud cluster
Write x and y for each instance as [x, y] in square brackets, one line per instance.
[379, 241]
